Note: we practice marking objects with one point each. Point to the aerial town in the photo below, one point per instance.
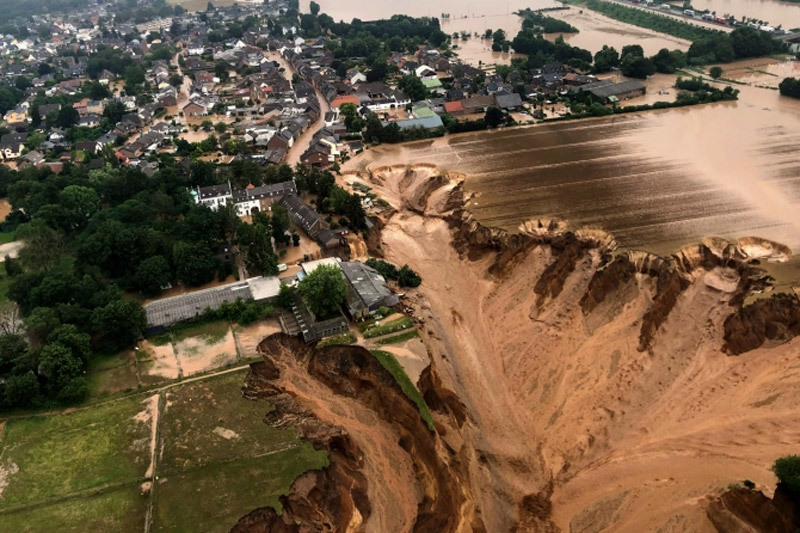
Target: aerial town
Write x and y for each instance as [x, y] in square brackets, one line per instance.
[337, 267]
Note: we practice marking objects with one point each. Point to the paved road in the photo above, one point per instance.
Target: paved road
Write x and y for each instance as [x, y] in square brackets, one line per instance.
[677, 16]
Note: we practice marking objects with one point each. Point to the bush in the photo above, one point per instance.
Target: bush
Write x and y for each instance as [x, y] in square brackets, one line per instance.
[787, 470]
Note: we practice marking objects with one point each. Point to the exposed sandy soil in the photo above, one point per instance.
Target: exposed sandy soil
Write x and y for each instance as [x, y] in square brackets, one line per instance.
[157, 362]
[631, 440]
[392, 488]
[247, 338]
[199, 354]
[5, 208]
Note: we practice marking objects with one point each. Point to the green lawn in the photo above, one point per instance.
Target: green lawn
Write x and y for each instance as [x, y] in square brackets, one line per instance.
[83, 470]
[389, 327]
[395, 369]
[208, 421]
[6, 237]
[212, 498]
[118, 510]
[344, 338]
[399, 338]
[210, 332]
[45, 457]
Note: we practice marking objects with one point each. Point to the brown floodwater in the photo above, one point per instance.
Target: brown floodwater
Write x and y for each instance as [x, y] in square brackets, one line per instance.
[656, 180]
[785, 14]
[595, 29]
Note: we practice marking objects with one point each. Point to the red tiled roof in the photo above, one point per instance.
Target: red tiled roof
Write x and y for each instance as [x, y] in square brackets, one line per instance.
[451, 107]
[345, 99]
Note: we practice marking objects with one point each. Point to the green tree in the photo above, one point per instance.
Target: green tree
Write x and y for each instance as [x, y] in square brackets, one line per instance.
[606, 59]
[493, 117]
[787, 470]
[374, 132]
[66, 117]
[790, 87]
[134, 75]
[21, 390]
[636, 66]
[114, 111]
[715, 72]
[77, 341]
[285, 297]
[407, 277]
[314, 8]
[413, 87]
[152, 274]
[324, 290]
[120, 324]
[80, 204]
[59, 366]
[280, 224]
[194, 264]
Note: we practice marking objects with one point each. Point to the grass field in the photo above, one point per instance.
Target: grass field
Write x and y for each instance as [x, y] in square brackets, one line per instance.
[213, 498]
[395, 369]
[118, 510]
[46, 457]
[389, 327]
[344, 338]
[213, 412]
[399, 338]
[84, 470]
[7, 236]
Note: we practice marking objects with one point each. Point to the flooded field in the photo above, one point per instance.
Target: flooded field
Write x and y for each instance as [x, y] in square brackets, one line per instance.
[595, 29]
[656, 180]
[785, 14]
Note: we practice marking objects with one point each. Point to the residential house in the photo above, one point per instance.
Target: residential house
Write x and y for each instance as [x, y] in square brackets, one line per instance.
[11, 150]
[194, 109]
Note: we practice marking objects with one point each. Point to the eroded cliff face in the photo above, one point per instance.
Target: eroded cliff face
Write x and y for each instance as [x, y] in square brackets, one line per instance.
[750, 511]
[574, 387]
[360, 488]
[595, 384]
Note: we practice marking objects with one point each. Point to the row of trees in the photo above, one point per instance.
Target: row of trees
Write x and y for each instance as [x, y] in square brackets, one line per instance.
[536, 20]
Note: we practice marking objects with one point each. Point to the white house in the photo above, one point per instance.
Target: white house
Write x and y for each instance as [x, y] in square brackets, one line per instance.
[424, 72]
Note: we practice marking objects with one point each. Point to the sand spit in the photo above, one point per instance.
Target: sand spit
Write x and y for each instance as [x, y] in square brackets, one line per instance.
[597, 387]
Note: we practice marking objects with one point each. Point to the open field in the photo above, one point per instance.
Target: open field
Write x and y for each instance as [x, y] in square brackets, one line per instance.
[93, 468]
[47, 457]
[182, 352]
[118, 510]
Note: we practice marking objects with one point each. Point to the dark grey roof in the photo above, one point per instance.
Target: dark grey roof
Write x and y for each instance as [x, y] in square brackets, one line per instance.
[368, 284]
[508, 101]
[168, 311]
[302, 213]
[605, 89]
[212, 191]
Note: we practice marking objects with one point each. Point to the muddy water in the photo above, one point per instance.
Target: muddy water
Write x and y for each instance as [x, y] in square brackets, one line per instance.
[786, 14]
[595, 29]
[656, 180]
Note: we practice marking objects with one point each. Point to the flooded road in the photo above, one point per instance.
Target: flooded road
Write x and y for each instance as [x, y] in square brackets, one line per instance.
[656, 180]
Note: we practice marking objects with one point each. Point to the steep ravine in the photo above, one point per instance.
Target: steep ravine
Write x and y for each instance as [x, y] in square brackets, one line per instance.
[574, 387]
